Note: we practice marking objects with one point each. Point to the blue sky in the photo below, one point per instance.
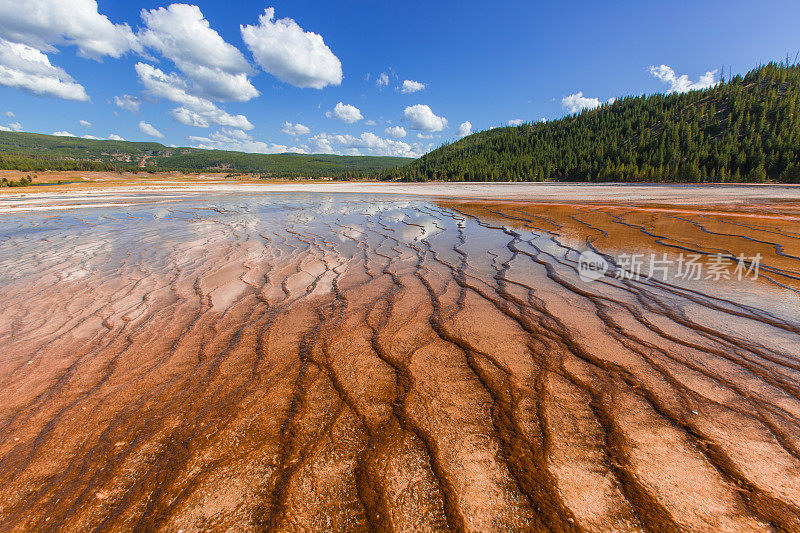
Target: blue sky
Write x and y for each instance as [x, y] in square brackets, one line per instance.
[194, 77]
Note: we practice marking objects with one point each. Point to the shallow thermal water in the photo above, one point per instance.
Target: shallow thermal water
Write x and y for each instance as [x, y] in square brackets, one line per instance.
[203, 361]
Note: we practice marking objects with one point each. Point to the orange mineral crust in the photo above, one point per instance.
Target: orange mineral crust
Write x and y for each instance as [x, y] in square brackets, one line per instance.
[284, 361]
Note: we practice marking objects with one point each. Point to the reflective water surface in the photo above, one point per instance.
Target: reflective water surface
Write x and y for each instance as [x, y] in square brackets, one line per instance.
[289, 361]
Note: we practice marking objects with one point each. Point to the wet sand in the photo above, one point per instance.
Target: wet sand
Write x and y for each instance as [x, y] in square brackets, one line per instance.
[205, 359]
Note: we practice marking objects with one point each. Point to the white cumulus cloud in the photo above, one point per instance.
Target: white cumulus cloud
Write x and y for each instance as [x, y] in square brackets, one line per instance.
[411, 86]
[28, 69]
[31, 29]
[421, 117]
[295, 129]
[575, 103]
[291, 54]
[115, 137]
[682, 84]
[194, 110]
[464, 129]
[85, 123]
[382, 80]
[14, 126]
[319, 144]
[396, 132]
[45, 24]
[187, 117]
[217, 69]
[516, 122]
[127, 102]
[148, 129]
[240, 141]
[168, 86]
[366, 144]
[345, 113]
[62, 134]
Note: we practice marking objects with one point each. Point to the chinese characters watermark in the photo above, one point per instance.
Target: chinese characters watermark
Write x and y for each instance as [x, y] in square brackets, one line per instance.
[688, 267]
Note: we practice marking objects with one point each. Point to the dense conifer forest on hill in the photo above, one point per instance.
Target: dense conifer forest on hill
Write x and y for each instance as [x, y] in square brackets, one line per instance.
[746, 129]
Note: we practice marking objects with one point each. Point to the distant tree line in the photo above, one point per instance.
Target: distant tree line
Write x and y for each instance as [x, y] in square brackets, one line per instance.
[30, 152]
[32, 163]
[24, 181]
[744, 130]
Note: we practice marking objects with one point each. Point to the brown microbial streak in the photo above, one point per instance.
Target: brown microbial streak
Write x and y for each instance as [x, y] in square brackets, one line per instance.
[280, 363]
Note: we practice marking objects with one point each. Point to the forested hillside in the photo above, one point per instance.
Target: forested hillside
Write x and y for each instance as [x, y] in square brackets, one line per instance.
[30, 152]
[744, 129]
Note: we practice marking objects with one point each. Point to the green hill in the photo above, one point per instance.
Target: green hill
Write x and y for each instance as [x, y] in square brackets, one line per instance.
[746, 129]
[34, 152]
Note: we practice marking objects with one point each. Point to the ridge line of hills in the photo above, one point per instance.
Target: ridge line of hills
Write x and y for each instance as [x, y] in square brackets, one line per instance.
[31, 152]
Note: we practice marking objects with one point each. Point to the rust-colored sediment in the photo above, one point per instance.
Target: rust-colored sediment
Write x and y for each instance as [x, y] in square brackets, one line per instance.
[316, 364]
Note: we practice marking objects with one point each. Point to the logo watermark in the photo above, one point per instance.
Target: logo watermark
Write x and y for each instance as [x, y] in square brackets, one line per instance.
[688, 267]
[592, 266]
